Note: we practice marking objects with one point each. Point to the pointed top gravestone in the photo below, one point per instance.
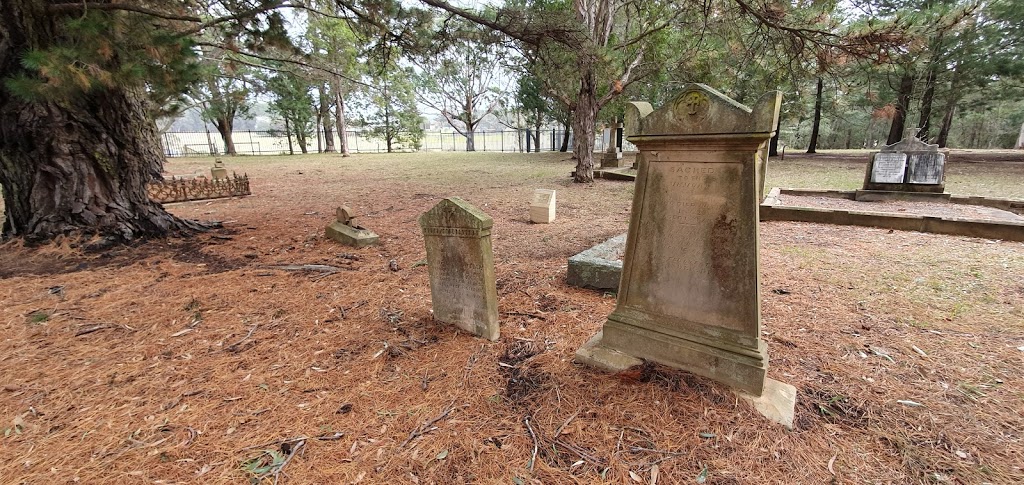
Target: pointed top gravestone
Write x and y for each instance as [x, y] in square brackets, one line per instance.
[689, 291]
[461, 266]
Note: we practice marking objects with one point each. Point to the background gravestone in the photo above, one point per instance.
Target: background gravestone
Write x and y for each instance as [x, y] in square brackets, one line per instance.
[688, 296]
[910, 165]
[461, 266]
[542, 207]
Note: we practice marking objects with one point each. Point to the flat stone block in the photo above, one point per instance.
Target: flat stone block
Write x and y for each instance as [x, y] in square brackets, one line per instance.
[599, 267]
[596, 355]
[351, 236]
[219, 173]
[777, 402]
[883, 195]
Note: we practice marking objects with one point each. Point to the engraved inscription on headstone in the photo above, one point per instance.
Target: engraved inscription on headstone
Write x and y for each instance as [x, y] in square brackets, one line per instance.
[542, 209]
[461, 266]
[926, 168]
[889, 168]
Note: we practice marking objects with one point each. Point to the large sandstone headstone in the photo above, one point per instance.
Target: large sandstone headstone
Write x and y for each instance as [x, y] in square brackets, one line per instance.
[542, 207]
[688, 296]
[461, 266]
[909, 165]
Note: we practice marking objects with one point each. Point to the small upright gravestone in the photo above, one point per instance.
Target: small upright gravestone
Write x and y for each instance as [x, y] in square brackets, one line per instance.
[461, 266]
[910, 166]
[218, 172]
[613, 153]
[345, 230]
[688, 297]
[542, 209]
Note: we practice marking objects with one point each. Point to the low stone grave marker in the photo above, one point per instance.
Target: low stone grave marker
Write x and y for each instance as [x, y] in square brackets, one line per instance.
[542, 208]
[688, 296]
[461, 266]
[345, 230]
[218, 171]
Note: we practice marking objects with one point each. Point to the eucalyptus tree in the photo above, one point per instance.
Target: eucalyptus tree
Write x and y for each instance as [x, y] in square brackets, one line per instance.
[610, 44]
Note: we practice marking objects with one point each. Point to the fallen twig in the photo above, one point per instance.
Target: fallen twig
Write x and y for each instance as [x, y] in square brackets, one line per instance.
[427, 427]
[321, 268]
[525, 314]
[94, 328]
[292, 451]
[536, 444]
[234, 347]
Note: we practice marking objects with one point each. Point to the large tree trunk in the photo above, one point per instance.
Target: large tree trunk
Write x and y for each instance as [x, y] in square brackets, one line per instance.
[225, 127]
[899, 119]
[325, 115]
[75, 167]
[583, 122]
[339, 120]
[1020, 139]
[927, 99]
[565, 134]
[812, 145]
[80, 168]
[470, 142]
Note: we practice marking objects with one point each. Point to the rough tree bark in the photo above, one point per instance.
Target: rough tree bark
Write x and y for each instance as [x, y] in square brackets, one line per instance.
[812, 145]
[583, 122]
[899, 119]
[76, 167]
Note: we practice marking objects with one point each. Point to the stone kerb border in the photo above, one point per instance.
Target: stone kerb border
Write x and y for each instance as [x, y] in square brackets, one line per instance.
[773, 210]
[599, 267]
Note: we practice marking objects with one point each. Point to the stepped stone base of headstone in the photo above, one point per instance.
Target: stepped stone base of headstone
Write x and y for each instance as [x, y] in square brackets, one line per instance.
[622, 173]
[351, 236]
[598, 267]
[612, 160]
[883, 195]
[777, 401]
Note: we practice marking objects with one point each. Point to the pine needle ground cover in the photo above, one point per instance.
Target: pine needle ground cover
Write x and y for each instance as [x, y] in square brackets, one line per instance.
[234, 356]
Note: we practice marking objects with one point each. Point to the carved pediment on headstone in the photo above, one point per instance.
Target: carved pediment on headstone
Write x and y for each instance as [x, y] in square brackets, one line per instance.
[700, 110]
[910, 143]
[454, 216]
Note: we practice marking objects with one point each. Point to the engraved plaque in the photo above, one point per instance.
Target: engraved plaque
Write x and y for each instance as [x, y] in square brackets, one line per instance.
[888, 168]
[926, 168]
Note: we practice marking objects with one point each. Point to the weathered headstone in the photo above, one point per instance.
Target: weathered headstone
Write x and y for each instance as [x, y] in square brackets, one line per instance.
[542, 208]
[218, 171]
[345, 230]
[613, 152]
[910, 165]
[688, 296]
[461, 266]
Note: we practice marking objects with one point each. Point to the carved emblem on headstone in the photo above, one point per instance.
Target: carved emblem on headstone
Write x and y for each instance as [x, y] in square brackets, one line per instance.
[693, 107]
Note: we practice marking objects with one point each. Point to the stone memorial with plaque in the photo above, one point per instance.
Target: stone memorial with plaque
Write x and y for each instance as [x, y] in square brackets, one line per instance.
[461, 266]
[688, 296]
[345, 230]
[909, 166]
[542, 208]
